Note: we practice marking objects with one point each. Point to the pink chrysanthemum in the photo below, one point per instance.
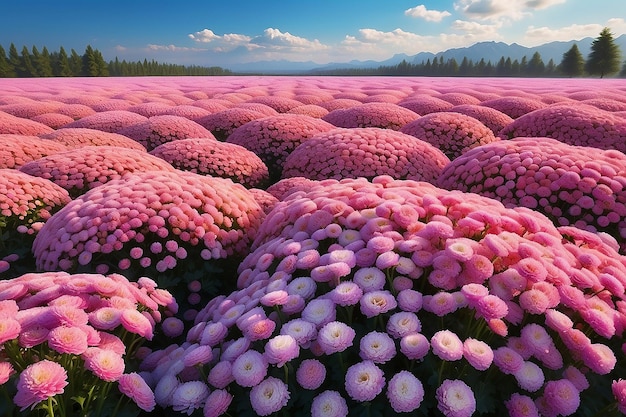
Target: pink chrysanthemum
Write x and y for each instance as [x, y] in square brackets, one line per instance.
[250, 368]
[269, 396]
[455, 399]
[329, 404]
[217, 403]
[405, 392]
[38, 382]
[135, 387]
[335, 336]
[364, 381]
[311, 374]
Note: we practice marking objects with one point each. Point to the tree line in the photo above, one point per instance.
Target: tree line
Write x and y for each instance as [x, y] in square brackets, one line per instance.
[35, 63]
[603, 60]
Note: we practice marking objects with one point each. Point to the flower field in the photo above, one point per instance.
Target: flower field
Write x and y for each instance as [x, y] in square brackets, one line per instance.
[325, 246]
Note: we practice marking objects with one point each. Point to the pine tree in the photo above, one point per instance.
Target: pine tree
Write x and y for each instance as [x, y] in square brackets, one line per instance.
[63, 67]
[15, 61]
[573, 63]
[536, 67]
[604, 57]
[76, 64]
[5, 66]
[28, 68]
[44, 64]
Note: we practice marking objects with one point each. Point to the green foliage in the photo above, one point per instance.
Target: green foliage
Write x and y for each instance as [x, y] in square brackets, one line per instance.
[604, 57]
[573, 63]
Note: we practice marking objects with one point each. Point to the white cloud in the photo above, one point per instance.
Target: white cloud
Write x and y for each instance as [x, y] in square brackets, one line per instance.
[476, 29]
[224, 43]
[120, 48]
[428, 15]
[171, 48]
[277, 40]
[204, 36]
[502, 9]
[538, 35]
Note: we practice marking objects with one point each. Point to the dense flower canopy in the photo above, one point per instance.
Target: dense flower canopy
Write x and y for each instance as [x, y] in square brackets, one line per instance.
[76, 137]
[514, 106]
[375, 114]
[81, 169]
[424, 104]
[365, 152]
[219, 159]
[492, 118]
[10, 124]
[223, 123]
[162, 129]
[16, 150]
[109, 121]
[453, 133]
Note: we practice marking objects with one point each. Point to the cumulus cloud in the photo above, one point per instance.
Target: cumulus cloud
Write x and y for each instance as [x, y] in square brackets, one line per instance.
[275, 39]
[429, 15]
[171, 48]
[476, 29]
[538, 35]
[502, 9]
[220, 43]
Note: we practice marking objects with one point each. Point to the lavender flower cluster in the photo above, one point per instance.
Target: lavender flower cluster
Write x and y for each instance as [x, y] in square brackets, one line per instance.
[572, 185]
[396, 295]
[365, 152]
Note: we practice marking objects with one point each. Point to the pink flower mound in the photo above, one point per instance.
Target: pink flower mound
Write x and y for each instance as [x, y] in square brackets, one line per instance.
[162, 129]
[606, 104]
[14, 125]
[150, 109]
[219, 159]
[153, 218]
[383, 115]
[81, 169]
[459, 98]
[574, 124]
[452, 133]
[264, 109]
[339, 103]
[286, 186]
[211, 105]
[312, 110]
[17, 150]
[492, 118]
[78, 136]
[266, 200]
[75, 111]
[223, 123]
[188, 111]
[572, 185]
[514, 106]
[316, 245]
[54, 120]
[274, 138]
[364, 152]
[424, 104]
[278, 103]
[109, 121]
[30, 109]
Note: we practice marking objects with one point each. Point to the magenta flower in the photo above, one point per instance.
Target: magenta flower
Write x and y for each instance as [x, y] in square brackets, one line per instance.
[217, 403]
[38, 382]
[250, 368]
[521, 406]
[377, 347]
[269, 396]
[405, 392]
[414, 346]
[619, 391]
[381, 115]
[374, 303]
[478, 354]
[9, 329]
[447, 345]
[455, 399]
[68, 339]
[335, 336]
[563, 397]
[311, 374]
[364, 381]
[189, 396]
[281, 349]
[134, 386]
[105, 364]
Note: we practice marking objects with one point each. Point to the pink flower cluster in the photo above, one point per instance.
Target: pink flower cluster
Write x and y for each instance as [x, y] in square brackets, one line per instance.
[53, 120]
[273, 138]
[80, 169]
[574, 124]
[108, 121]
[514, 106]
[353, 282]
[208, 156]
[158, 130]
[573, 185]
[16, 150]
[278, 103]
[14, 125]
[221, 124]
[424, 104]
[492, 118]
[93, 320]
[452, 133]
[374, 114]
[79, 136]
[364, 152]
[149, 219]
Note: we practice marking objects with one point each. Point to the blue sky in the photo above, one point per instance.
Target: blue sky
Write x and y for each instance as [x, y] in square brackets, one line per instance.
[208, 32]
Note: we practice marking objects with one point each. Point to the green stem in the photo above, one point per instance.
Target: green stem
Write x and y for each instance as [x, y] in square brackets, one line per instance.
[50, 407]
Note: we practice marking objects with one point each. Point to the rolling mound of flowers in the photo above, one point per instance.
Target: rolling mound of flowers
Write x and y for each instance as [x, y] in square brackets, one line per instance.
[278, 103]
[30, 109]
[312, 110]
[266, 200]
[53, 120]
[365, 152]
[75, 111]
[222, 123]
[112, 104]
[286, 186]
[69, 343]
[16, 150]
[573, 185]
[574, 124]
[109, 121]
[514, 106]
[80, 169]
[76, 137]
[385, 297]
[13, 125]
[158, 130]
[376, 114]
[152, 108]
[26, 202]
[219, 159]
[339, 103]
[453, 133]
[273, 138]
[173, 226]
[492, 118]
[260, 107]
[458, 98]
[606, 104]
[211, 105]
[424, 104]
[188, 111]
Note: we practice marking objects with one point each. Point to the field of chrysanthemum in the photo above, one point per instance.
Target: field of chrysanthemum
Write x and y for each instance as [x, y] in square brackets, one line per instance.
[312, 246]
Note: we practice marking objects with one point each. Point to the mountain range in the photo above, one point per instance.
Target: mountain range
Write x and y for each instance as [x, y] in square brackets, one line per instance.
[489, 51]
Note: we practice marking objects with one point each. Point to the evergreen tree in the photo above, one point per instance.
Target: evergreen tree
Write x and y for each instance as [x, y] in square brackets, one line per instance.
[15, 61]
[623, 71]
[76, 63]
[464, 68]
[536, 67]
[44, 64]
[573, 63]
[604, 57]
[28, 69]
[5, 66]
[63, 67]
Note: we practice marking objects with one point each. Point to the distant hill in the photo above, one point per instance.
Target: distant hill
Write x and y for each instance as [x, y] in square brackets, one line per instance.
[489, 51]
